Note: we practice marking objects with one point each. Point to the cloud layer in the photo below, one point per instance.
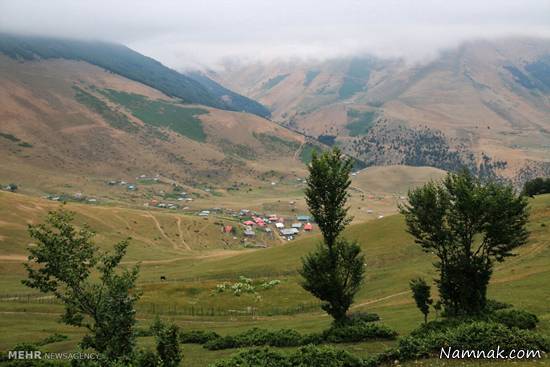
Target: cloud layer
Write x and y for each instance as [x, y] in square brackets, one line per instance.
[207, 32]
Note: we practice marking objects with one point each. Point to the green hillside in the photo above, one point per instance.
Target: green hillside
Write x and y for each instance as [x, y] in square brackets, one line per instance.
[128, 63]
[188, 297]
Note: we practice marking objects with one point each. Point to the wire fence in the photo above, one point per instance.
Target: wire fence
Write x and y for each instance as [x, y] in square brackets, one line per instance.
[175, 309]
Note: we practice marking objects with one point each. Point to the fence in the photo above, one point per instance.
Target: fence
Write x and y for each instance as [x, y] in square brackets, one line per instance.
[176, 309]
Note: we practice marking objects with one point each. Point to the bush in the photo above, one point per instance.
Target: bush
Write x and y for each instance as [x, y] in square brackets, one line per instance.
[324, 356]
[357, 332]
[310, 356]
[472, 335]
[515, 318]
[257, 337]
[197, 336]
[493, 305]
[256, 358]
[54, 338]
[363, 317]
[344, 333]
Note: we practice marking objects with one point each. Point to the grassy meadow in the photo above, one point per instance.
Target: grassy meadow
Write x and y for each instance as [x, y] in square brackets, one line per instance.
[195, 257]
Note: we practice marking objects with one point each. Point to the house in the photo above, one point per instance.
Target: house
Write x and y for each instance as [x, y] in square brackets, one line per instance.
[279, 225]
[132, 187]
[249, 233]
[287, 232]
[268, 230]
[248, 223]
[204, 213]
[303, 218]
[297, 225]
[308, 227]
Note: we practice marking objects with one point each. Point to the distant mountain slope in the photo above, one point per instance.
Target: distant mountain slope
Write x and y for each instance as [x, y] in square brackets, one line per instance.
[484, 105]
[69, 124]
[121, 60]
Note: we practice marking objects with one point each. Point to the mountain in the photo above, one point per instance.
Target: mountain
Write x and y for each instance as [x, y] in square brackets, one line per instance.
[130, 64]
[69, 125]
[484, 105]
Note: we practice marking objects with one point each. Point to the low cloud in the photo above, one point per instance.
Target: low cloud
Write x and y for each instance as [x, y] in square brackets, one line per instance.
[205, 33]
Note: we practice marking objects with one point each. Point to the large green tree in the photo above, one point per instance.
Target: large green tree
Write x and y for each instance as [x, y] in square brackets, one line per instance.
[469, 225]
[334, 272]
[97, 295]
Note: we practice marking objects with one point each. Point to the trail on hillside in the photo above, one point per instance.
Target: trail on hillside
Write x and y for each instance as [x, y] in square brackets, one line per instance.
[180, 232]
[379, 299]
[157, 224]
[298, 151]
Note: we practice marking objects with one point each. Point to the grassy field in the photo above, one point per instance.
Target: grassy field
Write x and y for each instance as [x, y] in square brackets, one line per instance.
[188, 297]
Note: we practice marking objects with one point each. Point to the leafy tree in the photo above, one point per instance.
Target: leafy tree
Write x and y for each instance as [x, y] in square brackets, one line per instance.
[421, 294]
[334, 272]
[537, 186]
[64, 263]
[468, 225]
[168, 346]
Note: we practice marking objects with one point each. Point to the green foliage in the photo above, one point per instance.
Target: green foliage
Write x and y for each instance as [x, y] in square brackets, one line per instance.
[334, 276]
[421, 294]
[477, 335]
[274, 81]
[239, 150]
[308, 356]
[116, 119]
[198, 336]
[257, 337]
[161, 114]
[327, 195]
[362, 316]
[275, 143]
[348, 332]
[54, 338]
[361, 122]
[310, 76]
[168, 346]
[537, 186]
[308, 150]
[10, 137]
[132, 65]
[468, 225]
[515, 318]
[334, 272]
[62, 263]
[357, 332]
[356, 78]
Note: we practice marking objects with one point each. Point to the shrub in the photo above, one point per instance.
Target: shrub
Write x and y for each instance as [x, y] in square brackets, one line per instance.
[515, 318]
[471, 335]
[54, 338]
[224, 342]
[304, 357]
[493, 305]
[323, 356]
[197, 336]
[147, 358]
[257, 337]
[357, 332]
[256, 358]
[362, 316]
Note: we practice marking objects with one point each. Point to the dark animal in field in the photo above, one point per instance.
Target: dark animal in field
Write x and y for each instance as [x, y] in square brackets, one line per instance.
[162, 277]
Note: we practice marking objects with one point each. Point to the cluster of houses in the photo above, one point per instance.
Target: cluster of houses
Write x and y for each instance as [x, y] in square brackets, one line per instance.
[79, 197]
[302, 222]
[129, 186]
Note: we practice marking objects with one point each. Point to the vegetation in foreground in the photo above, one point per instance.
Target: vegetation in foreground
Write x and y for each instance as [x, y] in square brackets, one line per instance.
[495, 323]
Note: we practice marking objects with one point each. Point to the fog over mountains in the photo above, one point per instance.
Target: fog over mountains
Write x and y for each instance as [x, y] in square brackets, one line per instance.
[209, 33]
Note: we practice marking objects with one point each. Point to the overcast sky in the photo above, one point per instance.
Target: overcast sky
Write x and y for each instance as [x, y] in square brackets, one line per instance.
[206, 32]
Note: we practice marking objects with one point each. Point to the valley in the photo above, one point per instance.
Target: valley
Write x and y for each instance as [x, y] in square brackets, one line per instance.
[205, 172]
